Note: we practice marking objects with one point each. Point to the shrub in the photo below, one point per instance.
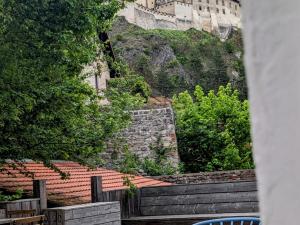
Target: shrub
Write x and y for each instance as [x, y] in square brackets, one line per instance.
[213, 130]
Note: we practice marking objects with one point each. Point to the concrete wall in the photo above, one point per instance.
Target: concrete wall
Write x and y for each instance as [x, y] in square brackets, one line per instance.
[147, 128]
[208, 177]
[105, 213]
[272, 63]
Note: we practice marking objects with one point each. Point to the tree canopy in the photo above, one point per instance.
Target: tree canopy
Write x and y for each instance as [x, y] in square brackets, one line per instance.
[47, 112]
[213, 130]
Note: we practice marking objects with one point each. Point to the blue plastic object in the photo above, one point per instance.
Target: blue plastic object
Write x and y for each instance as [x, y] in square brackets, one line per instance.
[232, 221]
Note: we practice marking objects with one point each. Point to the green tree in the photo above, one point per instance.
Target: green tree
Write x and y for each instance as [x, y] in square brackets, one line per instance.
[46, 110]
[213, 130]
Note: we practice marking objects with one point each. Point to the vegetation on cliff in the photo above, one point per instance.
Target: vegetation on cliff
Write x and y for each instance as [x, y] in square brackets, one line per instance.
[174, 61]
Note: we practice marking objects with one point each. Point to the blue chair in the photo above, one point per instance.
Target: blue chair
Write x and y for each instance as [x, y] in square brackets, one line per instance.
[232, 221]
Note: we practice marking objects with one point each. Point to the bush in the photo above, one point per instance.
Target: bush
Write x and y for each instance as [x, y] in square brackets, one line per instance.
[5, 197]
[213, 130]
[157, 166]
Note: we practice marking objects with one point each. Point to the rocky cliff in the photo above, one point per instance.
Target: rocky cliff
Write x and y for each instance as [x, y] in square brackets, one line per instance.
[172, 61]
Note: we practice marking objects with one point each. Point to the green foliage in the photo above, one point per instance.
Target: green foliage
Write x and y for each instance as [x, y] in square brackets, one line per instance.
[153, 167]
[132, 188]
[213, 130]
[129, 82]
[47, 112]
[17, 195]
[130, 163]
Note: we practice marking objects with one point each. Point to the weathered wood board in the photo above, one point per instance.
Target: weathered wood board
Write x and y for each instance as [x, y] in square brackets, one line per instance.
[106, 213]
[208, 198]
[22, 204]
[2, 213]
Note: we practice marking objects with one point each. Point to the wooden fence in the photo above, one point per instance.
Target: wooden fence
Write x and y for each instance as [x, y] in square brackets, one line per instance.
[21, 208]
[210, 198]
[188, 199]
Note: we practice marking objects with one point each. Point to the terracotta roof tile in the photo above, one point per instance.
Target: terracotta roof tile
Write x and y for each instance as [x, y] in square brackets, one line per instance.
[77, 188]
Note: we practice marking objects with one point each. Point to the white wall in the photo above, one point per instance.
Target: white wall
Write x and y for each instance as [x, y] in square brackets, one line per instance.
[273, 65]
[128, 12]
[184, 11]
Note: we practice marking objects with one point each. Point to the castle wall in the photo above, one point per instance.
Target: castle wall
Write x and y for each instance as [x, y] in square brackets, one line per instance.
[167, 8]
[146, 3]
[183, 11]
[217, 16]
[150, 20]
[128, 12]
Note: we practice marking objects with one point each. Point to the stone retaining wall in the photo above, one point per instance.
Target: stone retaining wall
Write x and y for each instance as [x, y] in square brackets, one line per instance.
[208, 177]
[150, 129]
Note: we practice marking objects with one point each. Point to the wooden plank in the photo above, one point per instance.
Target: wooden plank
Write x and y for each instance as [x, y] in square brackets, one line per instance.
[199, 188]
[29, 220]
[40, 191]
[2, 213]
[20, 213]
[240, 207]
[192, 216]
[200, 198]
[111, 217]
[96, 189]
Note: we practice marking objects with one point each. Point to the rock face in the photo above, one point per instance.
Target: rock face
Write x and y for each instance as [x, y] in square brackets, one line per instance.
[173, 61]
[150, 129]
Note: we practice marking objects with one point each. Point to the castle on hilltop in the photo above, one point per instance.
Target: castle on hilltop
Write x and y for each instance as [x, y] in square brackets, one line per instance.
[214, 16]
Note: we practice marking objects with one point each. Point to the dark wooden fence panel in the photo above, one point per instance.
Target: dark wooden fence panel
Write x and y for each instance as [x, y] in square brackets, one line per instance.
[200, 198]
[130, 203]
[208, 198]
[239, 207]
[199, 188]
[23, 204]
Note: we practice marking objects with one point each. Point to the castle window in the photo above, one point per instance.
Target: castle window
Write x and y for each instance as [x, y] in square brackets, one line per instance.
[218, 11]
[200, 8]
[235, 7]
[207, 1]
[223, 3]
[217, 2]
[208, 10]
[230, 4]
[224, 11]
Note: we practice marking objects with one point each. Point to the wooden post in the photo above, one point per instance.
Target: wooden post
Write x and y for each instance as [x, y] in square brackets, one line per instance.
[40, 191]
[96, 189]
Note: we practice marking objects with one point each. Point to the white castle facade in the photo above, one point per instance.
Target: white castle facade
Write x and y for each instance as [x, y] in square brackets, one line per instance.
[218, 16]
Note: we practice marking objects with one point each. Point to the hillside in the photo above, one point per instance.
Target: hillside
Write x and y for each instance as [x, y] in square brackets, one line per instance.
[173, 61]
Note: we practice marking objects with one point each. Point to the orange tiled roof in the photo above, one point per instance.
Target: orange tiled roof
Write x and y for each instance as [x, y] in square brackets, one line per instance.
[74, 190]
